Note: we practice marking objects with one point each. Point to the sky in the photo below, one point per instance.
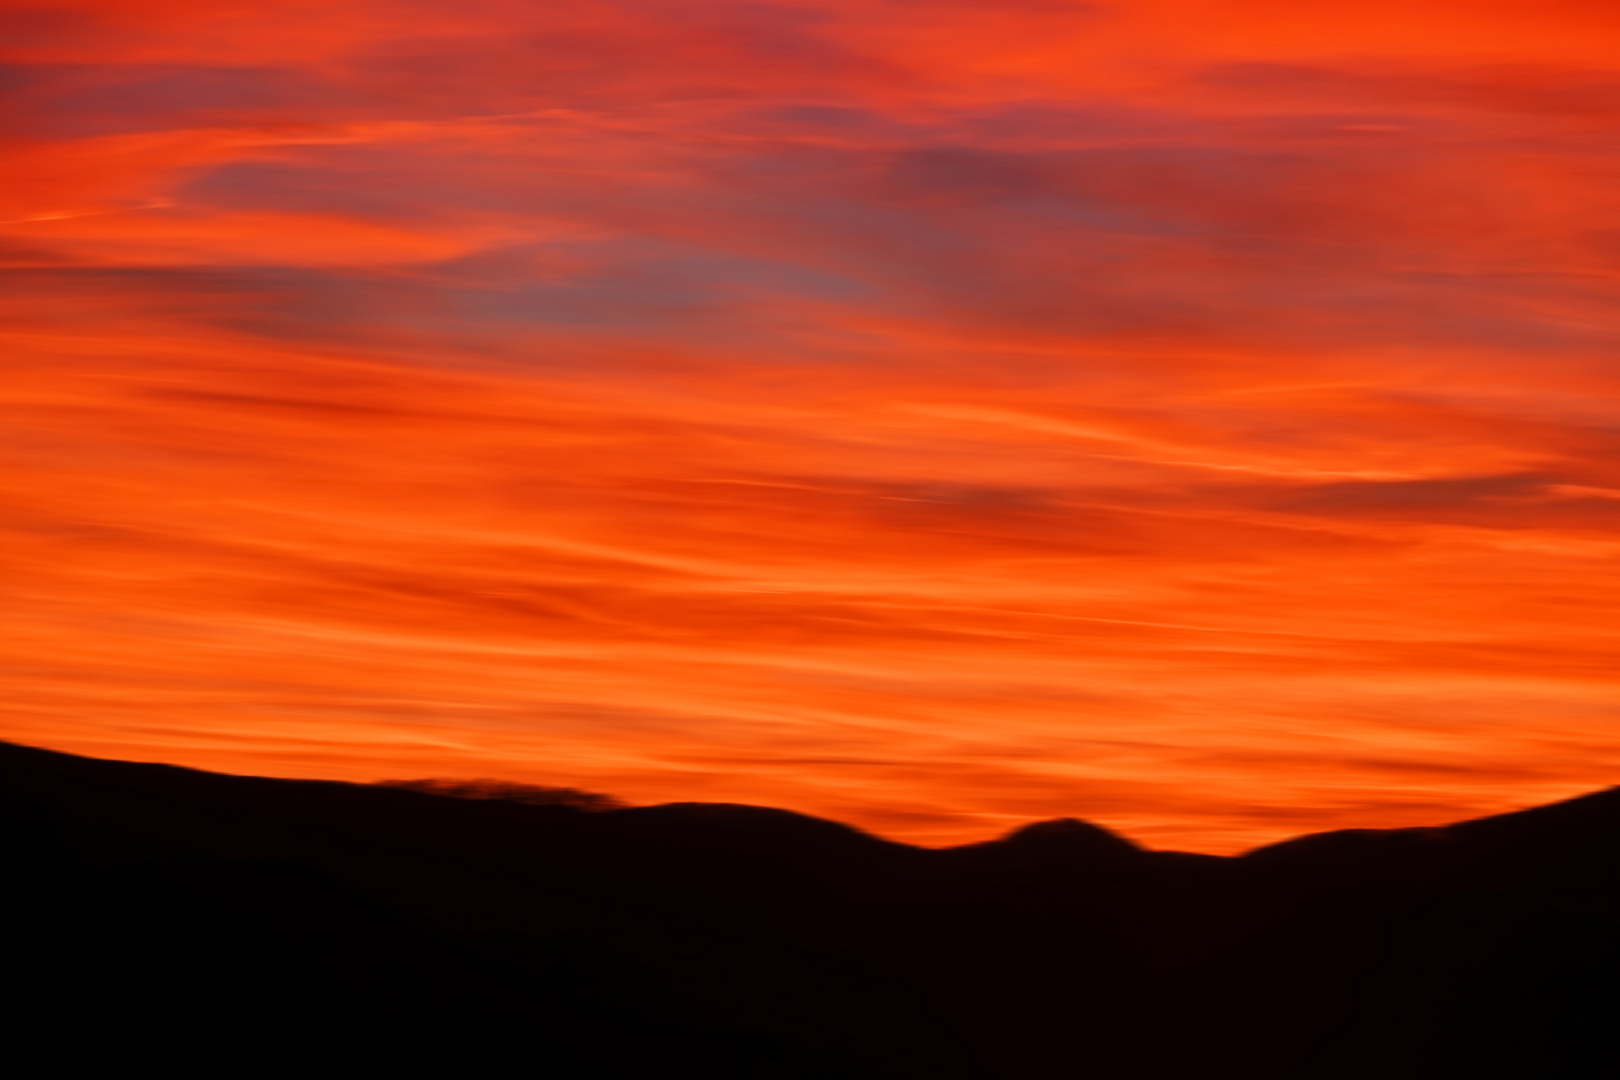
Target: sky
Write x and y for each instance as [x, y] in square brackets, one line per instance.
[1200, 417]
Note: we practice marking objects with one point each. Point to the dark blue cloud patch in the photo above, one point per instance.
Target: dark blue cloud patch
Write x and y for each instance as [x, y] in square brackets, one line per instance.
[361, 182]
[282, 303]
[79, 100]
[1051, 124]
[585, 56]
[641, 288]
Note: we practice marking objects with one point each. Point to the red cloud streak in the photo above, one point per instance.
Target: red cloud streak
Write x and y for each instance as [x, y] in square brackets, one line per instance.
[1199, 416]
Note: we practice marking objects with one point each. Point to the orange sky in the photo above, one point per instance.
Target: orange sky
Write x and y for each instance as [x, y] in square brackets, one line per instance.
[1197, 416]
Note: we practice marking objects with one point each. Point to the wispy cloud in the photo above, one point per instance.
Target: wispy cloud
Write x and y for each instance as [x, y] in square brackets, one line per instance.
[1199, 417]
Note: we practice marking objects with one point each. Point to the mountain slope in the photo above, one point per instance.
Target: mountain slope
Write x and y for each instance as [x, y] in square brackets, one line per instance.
[215, 926]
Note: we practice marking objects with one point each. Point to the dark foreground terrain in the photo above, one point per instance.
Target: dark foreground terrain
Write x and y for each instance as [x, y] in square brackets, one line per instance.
[167, 922]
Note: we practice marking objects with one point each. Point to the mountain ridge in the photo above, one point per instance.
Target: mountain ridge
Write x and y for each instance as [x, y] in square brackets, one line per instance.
[1607, 798]
[749, 943]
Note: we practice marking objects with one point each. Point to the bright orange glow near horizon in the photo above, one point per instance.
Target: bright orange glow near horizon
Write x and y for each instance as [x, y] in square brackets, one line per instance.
[1201, 417]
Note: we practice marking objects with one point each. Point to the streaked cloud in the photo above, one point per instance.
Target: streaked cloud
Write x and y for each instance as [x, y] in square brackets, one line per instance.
[1196, 417]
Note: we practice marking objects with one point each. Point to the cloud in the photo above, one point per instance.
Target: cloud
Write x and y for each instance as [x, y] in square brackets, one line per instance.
[937, 416]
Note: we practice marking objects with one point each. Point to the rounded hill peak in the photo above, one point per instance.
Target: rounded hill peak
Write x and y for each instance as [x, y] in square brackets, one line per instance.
[1068, 835]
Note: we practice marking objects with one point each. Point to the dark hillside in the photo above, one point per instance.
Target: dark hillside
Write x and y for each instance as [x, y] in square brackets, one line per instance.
[193, 925]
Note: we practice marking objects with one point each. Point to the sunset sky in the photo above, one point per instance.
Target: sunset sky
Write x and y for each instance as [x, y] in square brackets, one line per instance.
[1201, 417]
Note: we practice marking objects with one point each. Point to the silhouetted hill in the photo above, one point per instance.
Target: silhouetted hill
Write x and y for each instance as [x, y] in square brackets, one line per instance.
[193, 925]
